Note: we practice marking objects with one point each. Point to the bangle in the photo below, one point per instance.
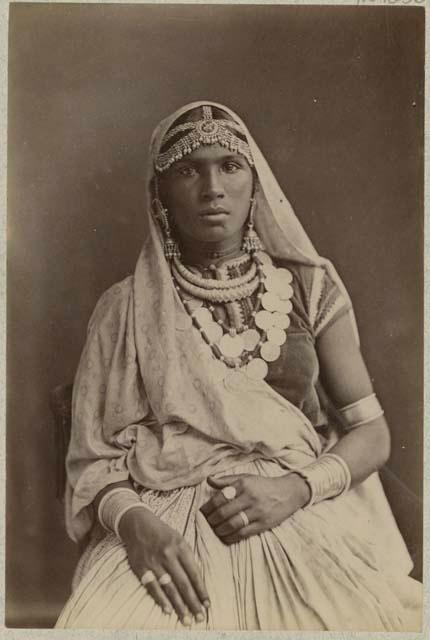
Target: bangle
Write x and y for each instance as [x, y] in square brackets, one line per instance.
[327, 477]
[361, 412]
[122, 512]
[114, 504]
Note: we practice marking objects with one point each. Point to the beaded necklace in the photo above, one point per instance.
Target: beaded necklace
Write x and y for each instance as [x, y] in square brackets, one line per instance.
[213, 283]
[226, 294]
[244, 351]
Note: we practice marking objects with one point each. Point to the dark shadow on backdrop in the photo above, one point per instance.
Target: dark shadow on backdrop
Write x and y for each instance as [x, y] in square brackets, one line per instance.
[334, 97]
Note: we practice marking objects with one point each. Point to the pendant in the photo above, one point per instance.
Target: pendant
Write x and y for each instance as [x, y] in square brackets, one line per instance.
[281, 320]
[276, 336]
[264, 319]
[251, 338]
[203, 316]
[284, 275]
[286, 292]
[271, 282]
[269, 270]
[285, 306]
[270, 301]
[213, 332]
[231, 347]
[278, 282]
[270, 352]
[257, 369]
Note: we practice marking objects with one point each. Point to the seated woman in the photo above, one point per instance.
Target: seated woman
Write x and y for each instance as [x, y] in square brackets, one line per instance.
[202, 467]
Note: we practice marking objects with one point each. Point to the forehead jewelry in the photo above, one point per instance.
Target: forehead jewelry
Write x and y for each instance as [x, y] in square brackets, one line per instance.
[203, 132]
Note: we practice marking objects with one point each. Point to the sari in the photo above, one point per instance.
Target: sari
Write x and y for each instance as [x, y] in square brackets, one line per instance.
[149, 404]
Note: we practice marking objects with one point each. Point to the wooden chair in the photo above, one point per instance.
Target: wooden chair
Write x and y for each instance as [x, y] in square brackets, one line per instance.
[61, 407]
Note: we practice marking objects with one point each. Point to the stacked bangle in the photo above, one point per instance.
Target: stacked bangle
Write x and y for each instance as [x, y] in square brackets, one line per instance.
[327, 477]
[114, 504]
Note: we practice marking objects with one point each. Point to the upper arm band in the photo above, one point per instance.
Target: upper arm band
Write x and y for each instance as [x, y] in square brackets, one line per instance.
[361, 412]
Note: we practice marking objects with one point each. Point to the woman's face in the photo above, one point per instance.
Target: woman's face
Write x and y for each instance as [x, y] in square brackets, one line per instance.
[208, 194]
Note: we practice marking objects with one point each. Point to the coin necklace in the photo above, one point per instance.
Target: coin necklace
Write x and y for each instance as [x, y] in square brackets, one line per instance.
[245, 351]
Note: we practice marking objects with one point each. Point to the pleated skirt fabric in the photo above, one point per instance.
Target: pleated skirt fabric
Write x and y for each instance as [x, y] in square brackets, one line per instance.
[315, 571]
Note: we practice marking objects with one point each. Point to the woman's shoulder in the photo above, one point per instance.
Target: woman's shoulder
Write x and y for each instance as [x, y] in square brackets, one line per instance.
[112, 303]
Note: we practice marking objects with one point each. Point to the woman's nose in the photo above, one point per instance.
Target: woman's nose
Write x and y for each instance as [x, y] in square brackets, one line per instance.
[212, 186]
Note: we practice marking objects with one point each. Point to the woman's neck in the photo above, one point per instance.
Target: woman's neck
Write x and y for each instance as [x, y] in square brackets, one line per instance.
[207, 253]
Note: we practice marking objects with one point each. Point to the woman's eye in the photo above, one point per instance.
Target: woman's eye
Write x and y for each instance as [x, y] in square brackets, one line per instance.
[231, 167]
[186, 171]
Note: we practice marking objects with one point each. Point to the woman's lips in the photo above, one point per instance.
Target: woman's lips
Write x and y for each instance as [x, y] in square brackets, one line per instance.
[214, 216]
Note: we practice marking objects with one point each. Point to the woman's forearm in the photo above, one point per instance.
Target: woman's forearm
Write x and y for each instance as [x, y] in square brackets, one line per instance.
[126, 484]
[365, 449]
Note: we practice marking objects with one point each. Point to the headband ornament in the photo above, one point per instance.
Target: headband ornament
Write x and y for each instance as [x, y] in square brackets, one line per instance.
[206, 131]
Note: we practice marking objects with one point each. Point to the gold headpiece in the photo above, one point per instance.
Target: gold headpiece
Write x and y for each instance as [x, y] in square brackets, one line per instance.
[205, 131]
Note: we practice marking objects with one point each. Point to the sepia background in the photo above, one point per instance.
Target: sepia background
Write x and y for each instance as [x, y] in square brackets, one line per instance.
[334, 98]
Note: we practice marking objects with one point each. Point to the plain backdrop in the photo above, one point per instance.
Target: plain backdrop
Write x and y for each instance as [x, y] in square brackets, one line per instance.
[333, 96]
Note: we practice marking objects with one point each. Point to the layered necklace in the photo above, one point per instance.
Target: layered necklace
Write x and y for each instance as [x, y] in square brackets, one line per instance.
[246, 349]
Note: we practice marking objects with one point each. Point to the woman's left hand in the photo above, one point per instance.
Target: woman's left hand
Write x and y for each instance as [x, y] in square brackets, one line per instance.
[264, 502]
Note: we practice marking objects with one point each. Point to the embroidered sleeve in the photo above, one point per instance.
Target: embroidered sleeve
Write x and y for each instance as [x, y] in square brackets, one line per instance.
[327, 303]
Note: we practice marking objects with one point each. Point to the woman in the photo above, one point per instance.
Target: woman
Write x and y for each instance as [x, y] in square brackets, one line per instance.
[201, 460]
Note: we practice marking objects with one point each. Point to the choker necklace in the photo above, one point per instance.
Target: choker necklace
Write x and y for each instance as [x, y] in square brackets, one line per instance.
[191, 255]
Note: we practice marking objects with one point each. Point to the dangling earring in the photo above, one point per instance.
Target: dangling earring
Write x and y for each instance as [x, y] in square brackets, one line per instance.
[251, 242]
[171, 247]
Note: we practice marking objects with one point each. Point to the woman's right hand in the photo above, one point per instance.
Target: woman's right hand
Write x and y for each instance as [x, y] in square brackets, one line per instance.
[154, 546]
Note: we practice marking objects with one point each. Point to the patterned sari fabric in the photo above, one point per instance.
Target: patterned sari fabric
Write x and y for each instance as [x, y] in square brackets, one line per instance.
[148, 404]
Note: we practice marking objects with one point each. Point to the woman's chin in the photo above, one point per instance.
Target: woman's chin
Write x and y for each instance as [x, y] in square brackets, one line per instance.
[214, 233]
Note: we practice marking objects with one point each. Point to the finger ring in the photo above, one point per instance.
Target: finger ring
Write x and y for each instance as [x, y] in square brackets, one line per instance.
[166, 578]
[244, 517]
[147, 577]
[229, 492]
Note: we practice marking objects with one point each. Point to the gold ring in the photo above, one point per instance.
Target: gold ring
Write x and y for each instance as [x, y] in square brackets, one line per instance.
[148, 577]
[166, 578]
[244, 517]
[229, 492]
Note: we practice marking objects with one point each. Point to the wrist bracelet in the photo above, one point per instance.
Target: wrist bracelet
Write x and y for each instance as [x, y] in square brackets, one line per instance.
[113, 504]
[327, 477]
[361, 412]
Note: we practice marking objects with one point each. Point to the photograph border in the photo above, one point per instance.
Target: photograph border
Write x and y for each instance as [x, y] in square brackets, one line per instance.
[39, 634]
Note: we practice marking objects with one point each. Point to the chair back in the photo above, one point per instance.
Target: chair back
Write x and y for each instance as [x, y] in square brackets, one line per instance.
[61, 407]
